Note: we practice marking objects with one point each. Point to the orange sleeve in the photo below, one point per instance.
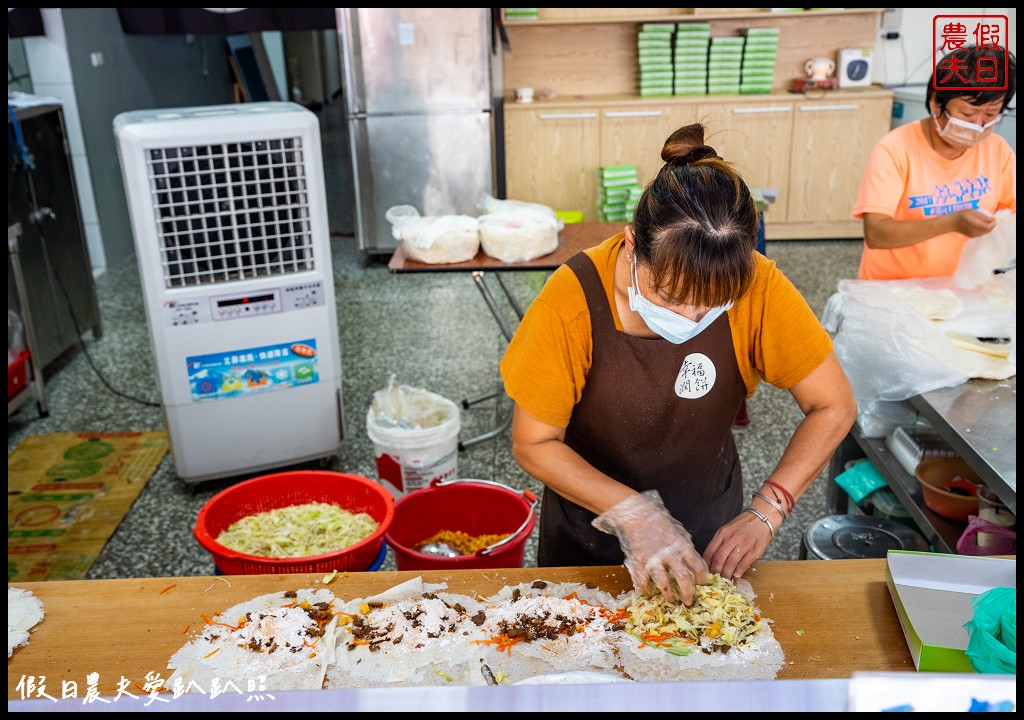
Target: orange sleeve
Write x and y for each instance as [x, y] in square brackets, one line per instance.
[884, 181]
[1008, 186]
[544, 366]
[777, 336]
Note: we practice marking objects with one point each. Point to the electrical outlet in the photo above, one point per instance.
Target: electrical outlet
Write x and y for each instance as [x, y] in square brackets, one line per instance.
[892, 18]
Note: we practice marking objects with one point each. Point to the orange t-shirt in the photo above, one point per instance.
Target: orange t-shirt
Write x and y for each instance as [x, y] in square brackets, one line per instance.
[775, 334]
[907, 180]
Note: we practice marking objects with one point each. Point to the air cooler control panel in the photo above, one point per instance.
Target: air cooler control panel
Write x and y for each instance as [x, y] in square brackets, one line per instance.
[218, 308]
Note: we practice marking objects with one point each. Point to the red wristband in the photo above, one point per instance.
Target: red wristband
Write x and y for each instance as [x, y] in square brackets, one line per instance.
[784, 491]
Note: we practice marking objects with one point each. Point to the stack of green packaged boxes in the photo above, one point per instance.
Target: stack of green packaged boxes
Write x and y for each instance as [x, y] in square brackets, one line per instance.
[759, 55]
[515, 14]
[618, 192]
[691, 58]
[725, 58]
[654, 52]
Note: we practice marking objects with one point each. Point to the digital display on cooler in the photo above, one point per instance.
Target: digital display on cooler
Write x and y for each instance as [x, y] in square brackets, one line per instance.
[245, 300]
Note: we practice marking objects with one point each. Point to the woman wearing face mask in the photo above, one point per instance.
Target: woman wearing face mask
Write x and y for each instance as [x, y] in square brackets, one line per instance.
[930, 186]
[627, 372]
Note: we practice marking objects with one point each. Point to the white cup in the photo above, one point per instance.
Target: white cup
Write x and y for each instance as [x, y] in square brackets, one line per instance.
[524, 94]
[819, 68]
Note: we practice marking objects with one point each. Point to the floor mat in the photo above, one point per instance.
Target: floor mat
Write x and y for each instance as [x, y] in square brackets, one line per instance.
[66, 495]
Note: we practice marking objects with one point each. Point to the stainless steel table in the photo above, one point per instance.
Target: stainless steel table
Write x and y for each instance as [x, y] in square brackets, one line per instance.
[978, 419]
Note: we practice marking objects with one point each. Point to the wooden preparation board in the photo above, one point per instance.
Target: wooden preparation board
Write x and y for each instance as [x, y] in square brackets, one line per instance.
[832, 617]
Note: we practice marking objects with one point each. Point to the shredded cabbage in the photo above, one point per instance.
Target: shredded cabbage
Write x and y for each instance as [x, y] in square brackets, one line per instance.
[720, 618]
[298, 531]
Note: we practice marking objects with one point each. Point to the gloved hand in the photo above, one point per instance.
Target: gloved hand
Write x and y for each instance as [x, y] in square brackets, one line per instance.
[658, 549]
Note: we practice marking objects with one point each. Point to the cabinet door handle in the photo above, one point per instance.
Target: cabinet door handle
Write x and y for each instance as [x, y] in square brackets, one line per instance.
[569, 116]
[751, 111]
[633, 113]
[822, 108]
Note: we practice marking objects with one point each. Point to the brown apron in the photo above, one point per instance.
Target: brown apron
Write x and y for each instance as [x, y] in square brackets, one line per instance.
[632, 424]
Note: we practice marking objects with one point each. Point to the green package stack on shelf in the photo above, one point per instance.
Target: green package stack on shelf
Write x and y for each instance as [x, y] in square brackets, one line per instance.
[618, 192]
[725, 58]
[517, 14]
[760, 52]
[691, 58]
[654, 57]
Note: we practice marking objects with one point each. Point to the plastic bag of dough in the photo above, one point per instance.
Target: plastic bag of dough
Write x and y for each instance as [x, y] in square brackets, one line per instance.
[518, 235]
[431, 239]
[490, 204]
[982, 255]
[515, 230]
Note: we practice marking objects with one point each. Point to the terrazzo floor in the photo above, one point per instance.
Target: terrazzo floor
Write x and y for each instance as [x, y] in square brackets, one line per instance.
[433, 331]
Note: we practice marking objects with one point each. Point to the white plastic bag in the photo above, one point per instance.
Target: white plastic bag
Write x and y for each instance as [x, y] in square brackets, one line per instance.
[982, 255]
[434, 239]
[516, 231]
[409, 408]
[890, 352]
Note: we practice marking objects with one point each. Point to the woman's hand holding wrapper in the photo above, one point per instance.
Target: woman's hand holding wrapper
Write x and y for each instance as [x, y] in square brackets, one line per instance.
[658, 548]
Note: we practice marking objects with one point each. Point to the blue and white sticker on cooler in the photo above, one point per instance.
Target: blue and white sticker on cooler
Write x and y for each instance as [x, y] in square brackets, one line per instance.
[253, 370]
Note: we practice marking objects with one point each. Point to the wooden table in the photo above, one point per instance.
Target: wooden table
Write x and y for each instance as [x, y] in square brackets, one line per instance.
[832, 617]
[573, 238]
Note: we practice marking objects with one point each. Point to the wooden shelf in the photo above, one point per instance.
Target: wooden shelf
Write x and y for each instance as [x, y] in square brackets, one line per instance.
[685, 18]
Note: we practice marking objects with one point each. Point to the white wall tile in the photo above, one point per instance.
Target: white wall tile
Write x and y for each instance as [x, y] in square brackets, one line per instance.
[94, 242]
[48, 55]
[83, 184]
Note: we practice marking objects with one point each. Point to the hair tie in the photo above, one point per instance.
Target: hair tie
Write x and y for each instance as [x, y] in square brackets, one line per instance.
[699, 152]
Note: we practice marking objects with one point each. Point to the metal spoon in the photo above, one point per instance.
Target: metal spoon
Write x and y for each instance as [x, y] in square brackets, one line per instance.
[439, 549]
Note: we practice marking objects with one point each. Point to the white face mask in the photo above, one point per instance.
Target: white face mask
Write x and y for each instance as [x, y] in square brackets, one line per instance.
[672, 326]
[961, 133]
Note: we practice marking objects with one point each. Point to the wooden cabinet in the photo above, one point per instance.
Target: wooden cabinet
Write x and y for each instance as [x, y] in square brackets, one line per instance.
[812, 153]
[755, 137]
[551, 157]
[830, 148]
[634, 134]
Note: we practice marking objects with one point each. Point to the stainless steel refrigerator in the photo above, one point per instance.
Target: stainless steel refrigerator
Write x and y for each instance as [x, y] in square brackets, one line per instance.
[418, 100]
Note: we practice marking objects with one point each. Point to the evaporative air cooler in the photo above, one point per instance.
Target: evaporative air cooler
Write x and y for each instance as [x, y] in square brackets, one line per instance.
[228, 212]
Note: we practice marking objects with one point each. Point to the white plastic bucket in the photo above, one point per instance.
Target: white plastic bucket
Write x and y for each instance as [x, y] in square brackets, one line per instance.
[410, 459]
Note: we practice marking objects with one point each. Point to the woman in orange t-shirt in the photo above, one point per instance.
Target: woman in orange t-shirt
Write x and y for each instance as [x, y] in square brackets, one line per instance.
[629, 367]
[932, 185]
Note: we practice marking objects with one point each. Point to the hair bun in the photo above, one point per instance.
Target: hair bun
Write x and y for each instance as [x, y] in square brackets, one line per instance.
[700, 152]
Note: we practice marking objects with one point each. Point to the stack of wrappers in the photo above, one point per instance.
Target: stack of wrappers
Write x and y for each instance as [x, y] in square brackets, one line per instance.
[683, 59]
[618, 193]
[654, 53]
[760, 50]
[517, 14]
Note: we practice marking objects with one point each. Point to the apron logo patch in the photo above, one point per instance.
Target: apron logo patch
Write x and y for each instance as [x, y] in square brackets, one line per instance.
[696, 377]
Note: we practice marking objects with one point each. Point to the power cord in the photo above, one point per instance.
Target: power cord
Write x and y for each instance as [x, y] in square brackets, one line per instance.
[37, 218]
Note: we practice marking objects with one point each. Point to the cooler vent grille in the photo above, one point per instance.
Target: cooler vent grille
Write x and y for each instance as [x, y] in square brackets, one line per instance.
[232, 211]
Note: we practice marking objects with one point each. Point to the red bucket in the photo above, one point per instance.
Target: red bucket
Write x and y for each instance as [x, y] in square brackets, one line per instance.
[475, 507]
[269, 492]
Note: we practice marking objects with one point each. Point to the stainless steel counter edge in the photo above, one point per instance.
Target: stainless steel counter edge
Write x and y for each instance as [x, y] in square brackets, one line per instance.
[979, 419]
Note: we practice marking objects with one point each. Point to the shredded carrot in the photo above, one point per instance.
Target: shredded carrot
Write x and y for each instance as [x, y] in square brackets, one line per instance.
[360, 642]
[186, 629]
[502, 642]
[572, 596]
[168, 588]
[210, 621]
[311, 646]
[215, 651]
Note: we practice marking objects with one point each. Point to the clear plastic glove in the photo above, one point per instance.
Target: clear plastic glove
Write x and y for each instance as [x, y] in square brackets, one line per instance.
[657, 547]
